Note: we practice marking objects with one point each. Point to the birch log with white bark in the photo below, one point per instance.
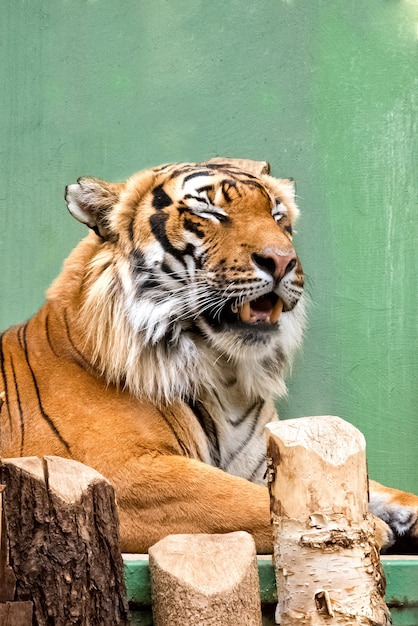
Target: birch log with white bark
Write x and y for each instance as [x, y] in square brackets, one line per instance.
[327, 563]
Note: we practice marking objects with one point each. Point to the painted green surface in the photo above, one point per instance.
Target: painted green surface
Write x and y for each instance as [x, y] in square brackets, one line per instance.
[327, 91]
[401, 590]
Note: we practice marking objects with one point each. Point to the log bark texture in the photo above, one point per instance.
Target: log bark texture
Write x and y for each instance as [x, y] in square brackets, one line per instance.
[205, 580]
[11, 613]
[63, 537]
[327, 563]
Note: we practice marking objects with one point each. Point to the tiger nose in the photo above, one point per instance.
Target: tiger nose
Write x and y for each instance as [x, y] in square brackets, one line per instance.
[278, 265]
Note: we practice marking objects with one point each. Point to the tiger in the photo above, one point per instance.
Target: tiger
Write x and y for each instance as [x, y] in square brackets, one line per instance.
[162, 346]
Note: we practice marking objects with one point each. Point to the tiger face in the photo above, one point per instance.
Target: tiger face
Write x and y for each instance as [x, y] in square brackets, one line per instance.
[202, 254]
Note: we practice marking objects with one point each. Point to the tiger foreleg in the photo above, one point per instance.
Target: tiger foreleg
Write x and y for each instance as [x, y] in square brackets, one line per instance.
[164, 494]
[161, 494]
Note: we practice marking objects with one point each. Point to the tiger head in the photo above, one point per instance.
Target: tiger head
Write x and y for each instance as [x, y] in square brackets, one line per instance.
[190, 266]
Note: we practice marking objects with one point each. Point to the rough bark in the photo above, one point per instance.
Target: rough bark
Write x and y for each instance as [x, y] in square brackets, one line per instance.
[327, 563]
[63, 542]
[205, 579]
[11, 613]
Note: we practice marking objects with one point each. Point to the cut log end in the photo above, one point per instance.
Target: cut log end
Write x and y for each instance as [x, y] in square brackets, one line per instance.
[328, 436]
[205, 579]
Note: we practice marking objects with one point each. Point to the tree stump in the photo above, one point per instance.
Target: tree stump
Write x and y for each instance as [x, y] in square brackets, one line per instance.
[202, 580]
[63, 537]
[11, 613]
[327, 563]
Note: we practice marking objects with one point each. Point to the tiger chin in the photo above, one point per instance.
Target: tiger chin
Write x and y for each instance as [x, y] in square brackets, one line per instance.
[161, 345]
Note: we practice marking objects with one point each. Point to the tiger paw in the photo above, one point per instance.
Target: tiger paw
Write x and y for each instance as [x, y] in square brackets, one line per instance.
[397, 527]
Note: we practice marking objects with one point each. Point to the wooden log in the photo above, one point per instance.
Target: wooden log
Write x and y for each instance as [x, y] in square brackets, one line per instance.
[205, 579]
[64, 544]
[16, 614]
[11, 613]
[327, 563]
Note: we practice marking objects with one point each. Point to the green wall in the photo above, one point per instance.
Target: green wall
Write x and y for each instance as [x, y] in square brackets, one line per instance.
[326, 91]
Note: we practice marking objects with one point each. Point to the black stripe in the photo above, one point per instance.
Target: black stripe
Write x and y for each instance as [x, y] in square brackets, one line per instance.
[150, 283]
[137, 260]
[183, 208]
[83, 362]
[182, 170]
[19, 404]
[43, 413]
[196, 331]
[167, 339]
[206, 173]
[182, 445]
[131, 231]
[255, 472]
[166, 166]
[231, 169]
[168, 270]
[244, 179]
[209, 428]
[96, 230]
[226, 186]
[257, 185]
[205, 188]
[218, 399]
[224, 219]
[158, 226]
[209, 170]
[48, 336]
[189, 196]
[19, 336]
[193, 227]
[257, 407]
[258, 404]
[160, 199]
[3, 373]
[227, 167]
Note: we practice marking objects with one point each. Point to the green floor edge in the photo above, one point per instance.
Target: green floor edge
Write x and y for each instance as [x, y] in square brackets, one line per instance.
[401, 590]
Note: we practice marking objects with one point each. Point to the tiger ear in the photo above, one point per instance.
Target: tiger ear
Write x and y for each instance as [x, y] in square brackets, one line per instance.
[253, 167]
[91, 201]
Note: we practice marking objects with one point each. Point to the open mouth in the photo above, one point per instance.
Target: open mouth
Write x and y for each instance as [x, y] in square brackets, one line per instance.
[263, 310]
[254, 316]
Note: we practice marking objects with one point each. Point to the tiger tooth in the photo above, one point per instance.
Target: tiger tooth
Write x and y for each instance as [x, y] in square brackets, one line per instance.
[276, 312]
[245, 313]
